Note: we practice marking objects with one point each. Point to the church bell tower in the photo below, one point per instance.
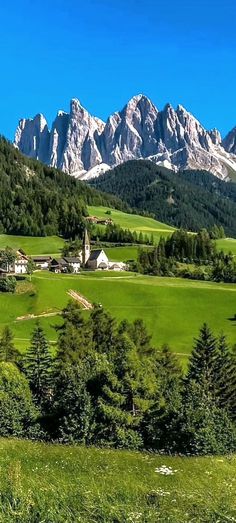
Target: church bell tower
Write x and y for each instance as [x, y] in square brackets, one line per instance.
[86, 247]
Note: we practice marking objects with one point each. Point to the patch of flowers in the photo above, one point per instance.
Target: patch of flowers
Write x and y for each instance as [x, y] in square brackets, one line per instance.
[165, 471]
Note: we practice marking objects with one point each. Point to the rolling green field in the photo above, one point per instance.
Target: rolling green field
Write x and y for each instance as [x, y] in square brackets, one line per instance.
[63, 484]
[32, 245]
[173, 309]
[134, 222]
[146, 226]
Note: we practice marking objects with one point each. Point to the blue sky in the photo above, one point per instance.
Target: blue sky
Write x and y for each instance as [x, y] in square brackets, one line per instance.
[105, 51]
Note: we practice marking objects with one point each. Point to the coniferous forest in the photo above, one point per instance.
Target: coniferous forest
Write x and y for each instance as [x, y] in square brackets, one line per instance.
[189, 199]
[37, 200]
[185, 255]
[107, 385]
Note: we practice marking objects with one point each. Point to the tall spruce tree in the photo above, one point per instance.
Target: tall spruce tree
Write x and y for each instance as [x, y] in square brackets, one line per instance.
[75, 336]
[8, 351]
[169, 374]
[225, 377]
[38, 365]
[202, 361]
[103, 327]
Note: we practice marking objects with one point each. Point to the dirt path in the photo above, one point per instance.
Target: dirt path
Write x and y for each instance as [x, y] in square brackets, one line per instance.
[33, 316]
[81, 299]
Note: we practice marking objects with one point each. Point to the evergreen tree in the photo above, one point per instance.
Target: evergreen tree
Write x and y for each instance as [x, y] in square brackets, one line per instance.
[72, 410]
[203, 359]
[169, 374]
[203, 427]
[103, 330]
[75, 336]
[38, 365]
[8, 351]
[225, 377]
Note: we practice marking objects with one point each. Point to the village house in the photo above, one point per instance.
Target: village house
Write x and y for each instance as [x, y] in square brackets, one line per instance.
[95, 260]
[99, 221]
[42, 262]
[87, 259]
[73, 262]
[58, 265]
[20, 264]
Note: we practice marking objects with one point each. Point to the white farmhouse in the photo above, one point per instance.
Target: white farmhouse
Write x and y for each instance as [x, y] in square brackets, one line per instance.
[73, 262]
[20, 264]
[42, 262]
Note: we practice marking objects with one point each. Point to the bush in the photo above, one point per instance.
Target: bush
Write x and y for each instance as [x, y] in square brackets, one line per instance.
[8, 284]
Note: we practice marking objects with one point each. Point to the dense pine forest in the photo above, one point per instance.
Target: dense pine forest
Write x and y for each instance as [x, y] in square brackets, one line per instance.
[185, 255]
[36, 200]
[107, 385]
[189, 199]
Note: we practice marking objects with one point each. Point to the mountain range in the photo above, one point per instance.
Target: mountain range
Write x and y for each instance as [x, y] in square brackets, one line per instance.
[85, 146]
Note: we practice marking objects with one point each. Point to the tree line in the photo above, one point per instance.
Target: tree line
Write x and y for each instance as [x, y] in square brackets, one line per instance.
[189, 256]
[107, 385]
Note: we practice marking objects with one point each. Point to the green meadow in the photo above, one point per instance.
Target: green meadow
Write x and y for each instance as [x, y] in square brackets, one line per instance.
[64, 484]
[134, 222]
[227, 245]
[173, 309]
[32, 245]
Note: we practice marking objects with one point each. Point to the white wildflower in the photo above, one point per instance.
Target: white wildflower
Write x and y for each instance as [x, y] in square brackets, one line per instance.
[165, 471]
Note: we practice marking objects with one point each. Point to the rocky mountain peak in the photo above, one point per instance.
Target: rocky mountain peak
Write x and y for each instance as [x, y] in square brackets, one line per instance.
[79, 142]
[229, 141]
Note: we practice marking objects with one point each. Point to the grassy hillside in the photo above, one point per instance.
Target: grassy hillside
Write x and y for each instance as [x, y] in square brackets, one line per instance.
[56, 484]
[134, 222]
[32, 245]
[147, 226]
[227, 244]
[172, 308]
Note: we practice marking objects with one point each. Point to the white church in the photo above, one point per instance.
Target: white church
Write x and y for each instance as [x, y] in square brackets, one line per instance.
[95, 260]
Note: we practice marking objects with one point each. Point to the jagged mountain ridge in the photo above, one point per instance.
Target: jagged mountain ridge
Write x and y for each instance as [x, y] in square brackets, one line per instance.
[84, 146]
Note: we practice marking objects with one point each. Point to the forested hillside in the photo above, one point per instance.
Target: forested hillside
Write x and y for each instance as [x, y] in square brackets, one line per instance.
[36, 200]
[188, 199]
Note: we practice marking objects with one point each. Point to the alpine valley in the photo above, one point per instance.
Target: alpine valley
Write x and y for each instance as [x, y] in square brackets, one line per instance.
[85, 146]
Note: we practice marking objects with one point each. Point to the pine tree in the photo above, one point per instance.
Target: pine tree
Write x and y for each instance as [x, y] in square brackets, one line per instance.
[169, 374]
[225, 376]
[75, 336]
[203, 359]
[104, 329]
[8, 351]
[38, 365]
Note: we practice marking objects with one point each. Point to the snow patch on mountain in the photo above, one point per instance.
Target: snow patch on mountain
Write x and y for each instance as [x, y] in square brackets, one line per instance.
[84, 146]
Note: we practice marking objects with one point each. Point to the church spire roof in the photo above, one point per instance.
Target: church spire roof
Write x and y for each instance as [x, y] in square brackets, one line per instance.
[86, 238]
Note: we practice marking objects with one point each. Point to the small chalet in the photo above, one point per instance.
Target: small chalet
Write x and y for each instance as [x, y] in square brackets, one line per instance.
[42, 262]
[67, 264]
[73, 262]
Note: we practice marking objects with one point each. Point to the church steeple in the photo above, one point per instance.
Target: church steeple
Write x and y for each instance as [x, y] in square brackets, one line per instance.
[86, 247]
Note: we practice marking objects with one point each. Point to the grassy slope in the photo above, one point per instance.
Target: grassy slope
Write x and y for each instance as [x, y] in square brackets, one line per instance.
[146, 226]
[173, 309]
[57, 484]
[227, 244]
[134, 222]
[32, 245]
